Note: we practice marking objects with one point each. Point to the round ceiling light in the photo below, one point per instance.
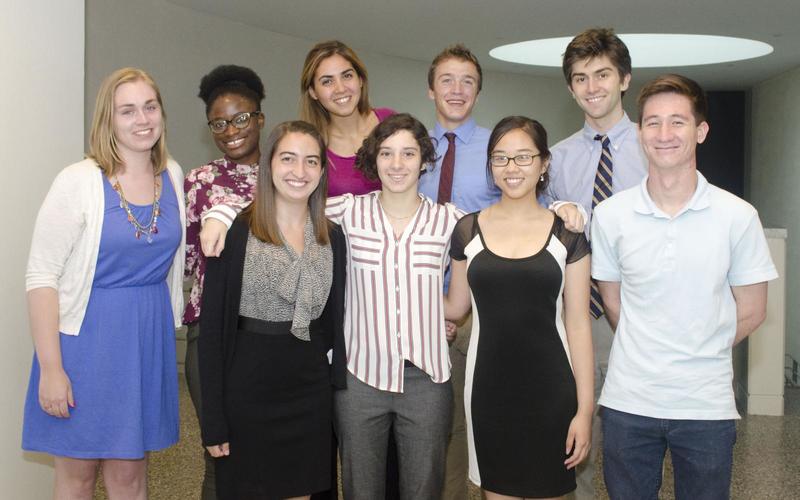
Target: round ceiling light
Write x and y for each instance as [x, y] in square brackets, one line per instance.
[648, 50]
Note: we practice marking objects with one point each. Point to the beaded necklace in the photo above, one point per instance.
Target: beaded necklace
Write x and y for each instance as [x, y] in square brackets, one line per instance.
[151, 227]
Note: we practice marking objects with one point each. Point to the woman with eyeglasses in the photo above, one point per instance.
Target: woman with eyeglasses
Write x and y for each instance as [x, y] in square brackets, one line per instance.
[104, 284]
[334, 97]
[232, 96]
[529, 381]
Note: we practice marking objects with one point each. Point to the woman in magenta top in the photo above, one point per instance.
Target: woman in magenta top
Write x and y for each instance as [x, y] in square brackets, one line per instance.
[335, 99]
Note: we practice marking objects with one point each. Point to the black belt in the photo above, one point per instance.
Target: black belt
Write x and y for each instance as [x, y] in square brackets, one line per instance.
[271, 327]
[409, 364]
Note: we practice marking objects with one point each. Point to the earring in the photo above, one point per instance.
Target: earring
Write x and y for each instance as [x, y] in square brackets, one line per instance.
[541, 178]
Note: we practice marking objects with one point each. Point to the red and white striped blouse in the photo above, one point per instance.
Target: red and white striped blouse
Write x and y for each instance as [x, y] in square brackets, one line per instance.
[394, 304]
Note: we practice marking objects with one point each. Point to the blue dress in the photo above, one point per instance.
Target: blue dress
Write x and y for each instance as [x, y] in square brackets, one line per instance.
[122, 364]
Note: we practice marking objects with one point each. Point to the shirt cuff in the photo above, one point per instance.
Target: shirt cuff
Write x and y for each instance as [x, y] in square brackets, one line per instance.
[559, 203]
[222, 213]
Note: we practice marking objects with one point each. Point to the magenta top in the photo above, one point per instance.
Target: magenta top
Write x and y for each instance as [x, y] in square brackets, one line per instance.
[343, 177]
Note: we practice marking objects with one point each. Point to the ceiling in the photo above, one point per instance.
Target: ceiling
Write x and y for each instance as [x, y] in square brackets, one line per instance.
[418, 29]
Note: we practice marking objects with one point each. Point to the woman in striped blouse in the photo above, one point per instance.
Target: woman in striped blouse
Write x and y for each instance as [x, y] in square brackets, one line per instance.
[397, 356]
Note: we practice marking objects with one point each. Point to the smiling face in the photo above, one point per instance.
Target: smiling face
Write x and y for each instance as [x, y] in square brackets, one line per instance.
[296, 167]
[517, 181]
[454, 92]
[240, 145]
[137, 119]
[336, 86]
[597, 87]
[399, 162]
[669, 132]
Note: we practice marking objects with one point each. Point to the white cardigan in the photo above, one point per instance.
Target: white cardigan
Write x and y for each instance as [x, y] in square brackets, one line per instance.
[66, 240]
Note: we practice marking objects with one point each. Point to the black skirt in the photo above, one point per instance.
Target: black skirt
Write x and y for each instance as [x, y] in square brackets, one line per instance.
[278, 401]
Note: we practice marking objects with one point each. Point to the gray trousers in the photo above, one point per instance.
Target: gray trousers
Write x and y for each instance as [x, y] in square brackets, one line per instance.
[420, 417]
[192, 369]
[602, 337]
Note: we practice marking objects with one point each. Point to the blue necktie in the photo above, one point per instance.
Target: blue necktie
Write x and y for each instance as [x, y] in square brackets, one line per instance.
[602, 190]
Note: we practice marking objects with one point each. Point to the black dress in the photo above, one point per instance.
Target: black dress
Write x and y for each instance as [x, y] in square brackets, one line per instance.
[266, 392]
[520, 393]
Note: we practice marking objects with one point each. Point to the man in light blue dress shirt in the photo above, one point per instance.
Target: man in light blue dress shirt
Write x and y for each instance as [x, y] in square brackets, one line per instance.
[454, 82]
[597, 67]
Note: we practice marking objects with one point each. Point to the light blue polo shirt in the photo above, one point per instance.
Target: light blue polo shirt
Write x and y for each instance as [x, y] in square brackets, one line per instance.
[671, 356]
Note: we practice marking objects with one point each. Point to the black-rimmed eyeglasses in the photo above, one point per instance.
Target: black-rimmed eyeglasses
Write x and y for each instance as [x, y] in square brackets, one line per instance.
[520, 160]
[239, 120]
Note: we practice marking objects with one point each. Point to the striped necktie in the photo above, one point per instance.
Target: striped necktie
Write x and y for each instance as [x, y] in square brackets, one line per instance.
[602, 191]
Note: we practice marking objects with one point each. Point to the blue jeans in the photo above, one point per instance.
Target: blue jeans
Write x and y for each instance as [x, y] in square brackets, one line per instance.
[634, 449]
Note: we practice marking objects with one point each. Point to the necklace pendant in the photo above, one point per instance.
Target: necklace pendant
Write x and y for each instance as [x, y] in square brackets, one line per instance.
[149, 238]
[138, 234]
[154, 230]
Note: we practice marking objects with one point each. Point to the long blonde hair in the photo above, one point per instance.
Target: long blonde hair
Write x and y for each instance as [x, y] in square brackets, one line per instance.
[310, 109]
[102, 142]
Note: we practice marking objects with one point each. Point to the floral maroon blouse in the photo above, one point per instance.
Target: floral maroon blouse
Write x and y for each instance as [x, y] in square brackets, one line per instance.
[221, 181]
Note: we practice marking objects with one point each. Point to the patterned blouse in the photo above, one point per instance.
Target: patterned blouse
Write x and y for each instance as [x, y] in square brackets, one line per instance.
[221, 181]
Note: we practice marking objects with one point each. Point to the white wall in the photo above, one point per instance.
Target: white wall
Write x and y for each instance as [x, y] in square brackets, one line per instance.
[42, 89]
[774, 178]
[177, 46]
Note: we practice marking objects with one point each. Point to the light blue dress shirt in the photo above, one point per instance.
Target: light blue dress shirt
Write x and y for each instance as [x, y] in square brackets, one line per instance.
[473, 189]
[574, 164]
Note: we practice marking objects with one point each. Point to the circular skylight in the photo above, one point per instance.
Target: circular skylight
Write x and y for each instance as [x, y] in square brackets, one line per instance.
[648, 50]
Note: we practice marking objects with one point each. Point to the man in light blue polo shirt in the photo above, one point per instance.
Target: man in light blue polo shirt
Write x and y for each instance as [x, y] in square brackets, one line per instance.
[597, 68]
[682, 268]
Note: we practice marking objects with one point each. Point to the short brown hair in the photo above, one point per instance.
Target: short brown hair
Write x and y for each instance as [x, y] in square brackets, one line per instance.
[310, 109]
[367, 156]
[596, 42]
[102, 142]
[261, 212]
[675, 84]
[535, 131]
[457, 51]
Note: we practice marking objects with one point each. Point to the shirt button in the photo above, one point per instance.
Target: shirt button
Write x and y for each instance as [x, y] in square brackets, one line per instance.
[395, 266]
[398, 311]
[398, 335]
[397, 289]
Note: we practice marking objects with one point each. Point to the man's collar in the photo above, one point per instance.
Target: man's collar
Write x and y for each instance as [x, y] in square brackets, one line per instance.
[700, 200]
[616, 134]
[463, 132]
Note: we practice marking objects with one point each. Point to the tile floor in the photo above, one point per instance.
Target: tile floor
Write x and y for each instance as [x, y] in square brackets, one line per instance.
[766, 459]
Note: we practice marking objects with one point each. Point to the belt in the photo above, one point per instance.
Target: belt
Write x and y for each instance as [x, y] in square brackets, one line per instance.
[271, 327]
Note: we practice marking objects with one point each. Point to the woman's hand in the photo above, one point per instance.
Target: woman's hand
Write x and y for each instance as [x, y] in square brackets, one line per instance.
[55, 393]
[219, 450]
[212, 237]
[579, 439]
[574, 220]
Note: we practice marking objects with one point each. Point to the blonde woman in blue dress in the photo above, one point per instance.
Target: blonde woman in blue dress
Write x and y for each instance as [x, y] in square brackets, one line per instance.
[104, 293]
